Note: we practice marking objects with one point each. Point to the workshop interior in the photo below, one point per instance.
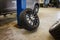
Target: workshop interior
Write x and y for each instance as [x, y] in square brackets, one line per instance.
[29, 19]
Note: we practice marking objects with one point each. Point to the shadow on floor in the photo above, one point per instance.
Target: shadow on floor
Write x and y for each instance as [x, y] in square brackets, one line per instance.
[6, 21]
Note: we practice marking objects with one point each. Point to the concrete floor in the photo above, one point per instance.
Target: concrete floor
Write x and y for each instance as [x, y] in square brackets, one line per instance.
[8, 31]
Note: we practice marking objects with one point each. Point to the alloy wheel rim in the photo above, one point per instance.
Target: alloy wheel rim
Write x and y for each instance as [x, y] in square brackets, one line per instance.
[31, 19]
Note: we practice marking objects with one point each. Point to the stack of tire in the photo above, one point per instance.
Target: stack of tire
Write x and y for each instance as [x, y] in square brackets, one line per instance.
[29, 19]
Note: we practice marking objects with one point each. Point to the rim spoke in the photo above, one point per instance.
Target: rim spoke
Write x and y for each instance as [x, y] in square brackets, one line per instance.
[27, 16]
[31, 23]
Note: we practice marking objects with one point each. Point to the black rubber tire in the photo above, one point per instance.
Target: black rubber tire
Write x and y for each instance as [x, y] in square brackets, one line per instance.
[36, 9]
[24, 21]
[55, 30]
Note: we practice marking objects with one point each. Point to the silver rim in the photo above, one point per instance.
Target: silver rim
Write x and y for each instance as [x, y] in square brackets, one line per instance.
[36, 8]
[30, 19]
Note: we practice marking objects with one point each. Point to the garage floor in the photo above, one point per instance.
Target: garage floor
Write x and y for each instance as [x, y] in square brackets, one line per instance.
[9, 31]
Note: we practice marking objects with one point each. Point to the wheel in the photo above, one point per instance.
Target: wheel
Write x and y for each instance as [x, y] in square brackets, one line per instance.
[28, 20]
[36, 9]
[55, 30]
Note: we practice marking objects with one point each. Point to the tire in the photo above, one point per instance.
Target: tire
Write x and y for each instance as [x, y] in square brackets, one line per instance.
[36, 9]
[55, 31]
[28, 19]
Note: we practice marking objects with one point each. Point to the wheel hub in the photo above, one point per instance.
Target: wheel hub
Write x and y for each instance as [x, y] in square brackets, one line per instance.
[30, 18]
